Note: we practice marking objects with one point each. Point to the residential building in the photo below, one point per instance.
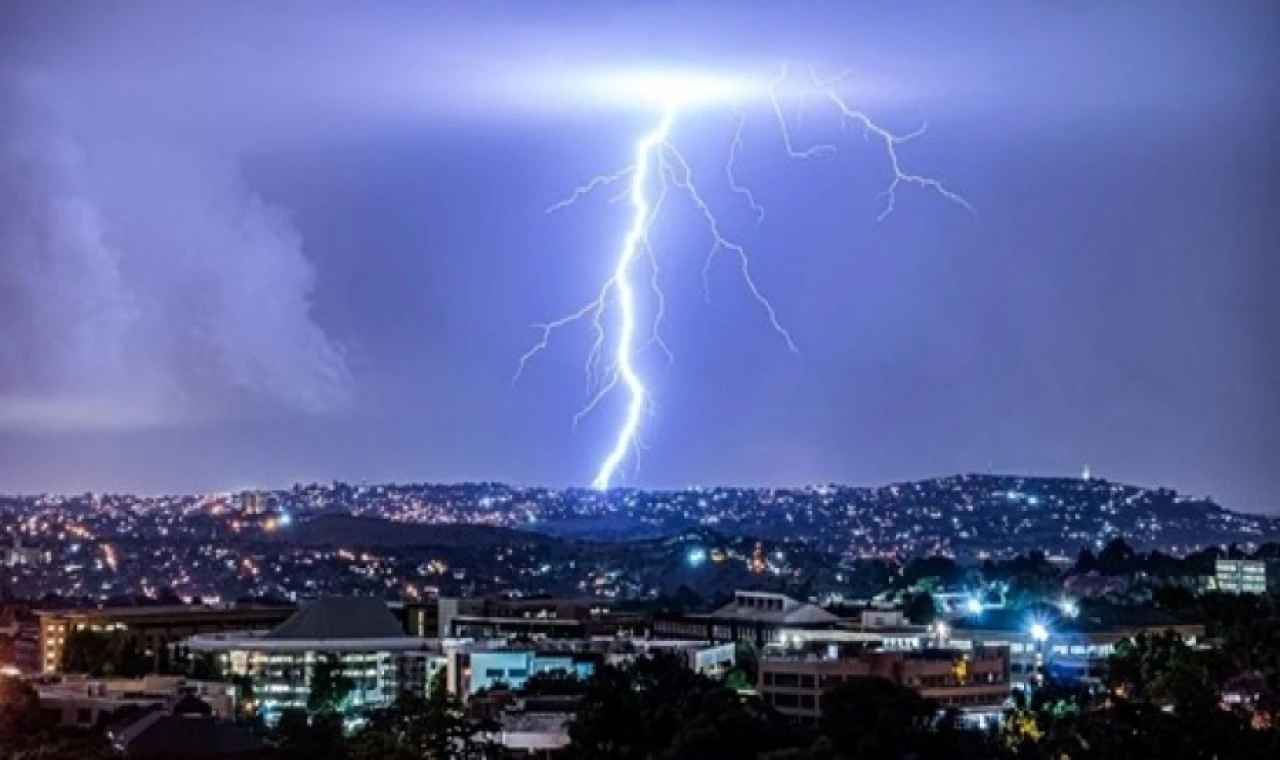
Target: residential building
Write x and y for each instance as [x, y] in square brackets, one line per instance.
[367, 640]
[153, 628]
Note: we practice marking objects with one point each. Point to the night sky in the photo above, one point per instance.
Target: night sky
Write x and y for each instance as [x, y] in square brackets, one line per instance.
[252, 244]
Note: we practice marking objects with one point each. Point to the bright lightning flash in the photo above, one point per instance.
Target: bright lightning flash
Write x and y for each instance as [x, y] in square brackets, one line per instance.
[656, 157]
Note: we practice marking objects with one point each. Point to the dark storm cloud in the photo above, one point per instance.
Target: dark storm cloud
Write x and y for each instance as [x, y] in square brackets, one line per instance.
[141, 283]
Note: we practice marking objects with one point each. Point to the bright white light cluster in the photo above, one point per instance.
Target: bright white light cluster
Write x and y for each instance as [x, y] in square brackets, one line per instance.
[660, 167]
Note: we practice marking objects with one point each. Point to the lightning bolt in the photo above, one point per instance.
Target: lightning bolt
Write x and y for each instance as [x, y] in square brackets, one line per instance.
[659, 166]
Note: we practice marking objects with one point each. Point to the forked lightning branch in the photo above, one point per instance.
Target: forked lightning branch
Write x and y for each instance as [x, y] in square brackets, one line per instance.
[659, 168]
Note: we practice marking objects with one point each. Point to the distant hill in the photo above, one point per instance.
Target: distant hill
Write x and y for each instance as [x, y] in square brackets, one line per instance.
[372, 532]
[971, 514]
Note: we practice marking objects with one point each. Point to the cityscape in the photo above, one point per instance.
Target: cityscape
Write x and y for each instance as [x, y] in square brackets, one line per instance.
[407, 541]
[701, 380]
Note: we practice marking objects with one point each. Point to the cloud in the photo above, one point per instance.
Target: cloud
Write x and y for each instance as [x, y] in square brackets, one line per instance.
[141, 278]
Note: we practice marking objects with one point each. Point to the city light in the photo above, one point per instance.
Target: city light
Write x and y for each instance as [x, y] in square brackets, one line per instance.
[974, 606]
[1039, 633]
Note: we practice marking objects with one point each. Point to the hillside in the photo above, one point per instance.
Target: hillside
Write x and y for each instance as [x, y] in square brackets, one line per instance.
[375, 533]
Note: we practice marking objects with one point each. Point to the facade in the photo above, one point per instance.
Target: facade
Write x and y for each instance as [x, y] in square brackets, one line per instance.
[153, 628]
[976, 682]
[475, 665]
[756, 617]
[360, 632]
[513, 667]
[84, 702]
[1068, 649]
[533, 617]
[1241, 576]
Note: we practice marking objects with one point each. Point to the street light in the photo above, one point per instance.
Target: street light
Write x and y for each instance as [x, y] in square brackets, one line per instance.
[1039, 633]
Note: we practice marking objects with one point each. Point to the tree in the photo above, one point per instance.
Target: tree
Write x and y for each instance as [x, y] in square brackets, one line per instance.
[299, 736]
[943, 570]
[553, 683]
[920, 608]
[872, 718]
[204, 666]
[1163, 669]
[1116, 558]
[435, 727]
[88, 652]
[1085, 562]
[26, 732]
[655, 707]
[330, 685]
[104, 654]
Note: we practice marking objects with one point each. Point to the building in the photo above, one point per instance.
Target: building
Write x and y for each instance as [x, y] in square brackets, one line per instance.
[18, 555]
[756, 617]
[1039, 641]
[188, 730]
[975, 682]
[476, 665]
[532, 617]
[87, 702]
[512, 667]
[154, 629]
[367, 640]
[1241, 576]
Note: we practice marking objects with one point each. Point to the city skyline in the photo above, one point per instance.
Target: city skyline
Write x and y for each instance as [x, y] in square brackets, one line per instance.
[320, 261]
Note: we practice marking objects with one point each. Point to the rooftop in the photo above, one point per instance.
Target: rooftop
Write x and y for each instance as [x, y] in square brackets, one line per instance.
[341, 618]
[159, 610]
[773, 608]
[159, 734]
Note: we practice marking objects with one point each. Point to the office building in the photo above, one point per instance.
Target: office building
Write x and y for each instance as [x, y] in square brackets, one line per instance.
[532, 617]
[152, 628]
[367, 640]
[756, 617]
[1241, 576]
[975, 682]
